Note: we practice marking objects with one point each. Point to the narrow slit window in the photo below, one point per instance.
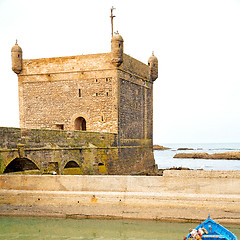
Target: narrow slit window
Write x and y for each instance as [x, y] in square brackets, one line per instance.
[79, 93]
[96, 94]
[107, 93]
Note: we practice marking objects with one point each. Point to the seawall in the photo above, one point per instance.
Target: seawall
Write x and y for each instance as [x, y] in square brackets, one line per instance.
[177, 195]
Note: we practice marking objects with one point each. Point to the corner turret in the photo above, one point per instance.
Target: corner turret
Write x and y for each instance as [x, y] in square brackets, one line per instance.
[117, 49]
[16, 53]
[153, 67]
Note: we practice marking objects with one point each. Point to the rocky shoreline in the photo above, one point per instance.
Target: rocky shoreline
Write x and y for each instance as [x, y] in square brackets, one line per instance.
[227, 155]
[158, 147]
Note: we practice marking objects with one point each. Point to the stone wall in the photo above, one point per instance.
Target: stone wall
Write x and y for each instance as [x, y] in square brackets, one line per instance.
[39, 151]
[53, 92]
[52, 150]
[177, 195]
[135, 105]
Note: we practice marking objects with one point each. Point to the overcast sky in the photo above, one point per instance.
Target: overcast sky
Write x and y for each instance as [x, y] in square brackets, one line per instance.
[197, 93]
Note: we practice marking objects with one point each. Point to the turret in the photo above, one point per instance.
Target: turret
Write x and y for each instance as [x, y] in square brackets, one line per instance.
[117, 49]
[16, 53]
[153, 67]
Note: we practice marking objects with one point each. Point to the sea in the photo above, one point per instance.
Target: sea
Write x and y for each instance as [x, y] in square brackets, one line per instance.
[23, 228]
[164, 158]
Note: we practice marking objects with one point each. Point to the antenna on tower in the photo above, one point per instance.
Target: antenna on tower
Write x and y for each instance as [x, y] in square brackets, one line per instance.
[112, 16]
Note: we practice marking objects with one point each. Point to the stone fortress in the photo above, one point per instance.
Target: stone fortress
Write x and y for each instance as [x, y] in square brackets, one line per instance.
[93, 114]
[87, 114]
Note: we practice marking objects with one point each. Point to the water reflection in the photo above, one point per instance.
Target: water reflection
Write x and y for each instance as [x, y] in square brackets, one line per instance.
[48, 228]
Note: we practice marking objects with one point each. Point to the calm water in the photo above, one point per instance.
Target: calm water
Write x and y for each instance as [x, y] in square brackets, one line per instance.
[165, 159]
[50, 228]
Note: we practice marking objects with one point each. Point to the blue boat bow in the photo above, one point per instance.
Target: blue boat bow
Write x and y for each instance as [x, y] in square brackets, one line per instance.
[213, 231]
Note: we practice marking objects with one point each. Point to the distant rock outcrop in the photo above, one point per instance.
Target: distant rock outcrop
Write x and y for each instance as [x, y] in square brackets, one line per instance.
[158, 147]
[226, 155]
[180, 149]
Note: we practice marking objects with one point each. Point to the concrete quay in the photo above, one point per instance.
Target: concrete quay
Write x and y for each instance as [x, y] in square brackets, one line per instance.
[175, 196]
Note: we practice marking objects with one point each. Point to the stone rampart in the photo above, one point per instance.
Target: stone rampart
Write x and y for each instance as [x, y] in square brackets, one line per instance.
[177, 195]
[41, 151]
[38, 151]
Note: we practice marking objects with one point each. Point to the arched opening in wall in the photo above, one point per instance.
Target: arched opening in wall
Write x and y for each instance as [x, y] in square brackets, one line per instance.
[22, 165]
[72, 168]
[80, 124]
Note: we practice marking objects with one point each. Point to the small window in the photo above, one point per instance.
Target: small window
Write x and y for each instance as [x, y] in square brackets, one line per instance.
[119, 45]
[102, 118]
[60, 126]
[18, 55]
[96, 80]
[79, 93]
[96, 94]
[107, 93]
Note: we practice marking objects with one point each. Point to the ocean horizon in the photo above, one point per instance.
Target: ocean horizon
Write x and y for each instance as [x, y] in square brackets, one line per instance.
[164, 158]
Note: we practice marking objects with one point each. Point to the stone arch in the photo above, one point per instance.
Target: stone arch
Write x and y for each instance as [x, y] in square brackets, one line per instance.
[72, 168]
[80, 117]
[71, 164]
[22, 165]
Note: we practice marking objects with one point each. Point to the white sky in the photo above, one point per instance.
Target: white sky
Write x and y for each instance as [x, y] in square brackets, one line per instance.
[197, 94]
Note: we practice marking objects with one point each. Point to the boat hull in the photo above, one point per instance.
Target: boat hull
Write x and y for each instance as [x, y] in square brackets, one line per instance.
[214, 231]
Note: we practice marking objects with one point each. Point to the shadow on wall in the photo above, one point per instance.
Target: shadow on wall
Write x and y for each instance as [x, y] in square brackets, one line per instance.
[72, 168]
[19, 165]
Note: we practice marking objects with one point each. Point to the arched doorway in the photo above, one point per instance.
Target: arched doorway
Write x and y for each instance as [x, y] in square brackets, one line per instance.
[21, 165]
[80, 124]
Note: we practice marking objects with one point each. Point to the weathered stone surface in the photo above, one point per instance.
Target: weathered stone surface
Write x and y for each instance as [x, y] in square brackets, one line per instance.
[177, 195]
[39, 151]
[227, 155]
[54, 92]
[109, 92]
